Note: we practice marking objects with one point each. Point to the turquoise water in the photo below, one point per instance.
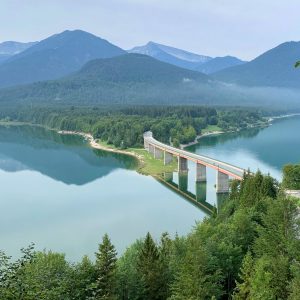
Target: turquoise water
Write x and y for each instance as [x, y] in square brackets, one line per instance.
[62, 195]
[267, 149]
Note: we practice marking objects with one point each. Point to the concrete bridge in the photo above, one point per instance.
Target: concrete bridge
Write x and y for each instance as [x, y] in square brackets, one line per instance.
[166, 152]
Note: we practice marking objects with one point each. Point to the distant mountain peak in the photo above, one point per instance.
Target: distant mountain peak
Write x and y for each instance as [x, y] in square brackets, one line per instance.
[54, 57]
[13, 47]
[172, 55]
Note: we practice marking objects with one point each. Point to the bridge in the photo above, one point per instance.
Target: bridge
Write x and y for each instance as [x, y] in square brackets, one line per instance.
[166, 152]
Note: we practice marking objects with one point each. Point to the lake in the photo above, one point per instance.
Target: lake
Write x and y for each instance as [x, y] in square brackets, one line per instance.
[62, 195]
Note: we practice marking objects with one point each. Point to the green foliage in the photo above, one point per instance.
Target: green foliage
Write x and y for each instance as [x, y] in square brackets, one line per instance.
[291, 177]
[124, 127]
[297, 64]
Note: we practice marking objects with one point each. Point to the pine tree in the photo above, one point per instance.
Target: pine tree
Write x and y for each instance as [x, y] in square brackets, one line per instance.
[106, 264]
[150, 269]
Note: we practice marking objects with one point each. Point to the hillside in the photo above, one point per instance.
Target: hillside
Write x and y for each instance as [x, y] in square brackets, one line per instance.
[219, 63]
[140, 79]
[273, 68]
[55, 57]
[171, 55]
[130, 78]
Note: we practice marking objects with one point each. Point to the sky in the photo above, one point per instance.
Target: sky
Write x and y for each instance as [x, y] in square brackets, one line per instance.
[243, 28]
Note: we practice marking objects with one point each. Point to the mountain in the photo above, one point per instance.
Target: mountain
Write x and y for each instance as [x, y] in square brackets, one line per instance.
[55, 57]
[10, 48]
[174, 56]
[129, 78]
[4, 57]
[273, 68]
[219, 63]
[134, 79]
[13, 48]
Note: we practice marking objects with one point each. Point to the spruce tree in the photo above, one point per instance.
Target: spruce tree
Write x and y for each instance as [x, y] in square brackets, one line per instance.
[106, 264]
[150, 269]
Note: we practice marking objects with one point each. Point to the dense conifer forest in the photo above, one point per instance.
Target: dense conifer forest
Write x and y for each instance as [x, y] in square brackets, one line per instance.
[249, 250]
[124, 127]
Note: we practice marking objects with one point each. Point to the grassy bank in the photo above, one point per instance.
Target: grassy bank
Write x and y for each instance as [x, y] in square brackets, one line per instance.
[148, 165]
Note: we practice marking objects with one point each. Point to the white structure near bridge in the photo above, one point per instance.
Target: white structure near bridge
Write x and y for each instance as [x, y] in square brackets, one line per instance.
[224, 170]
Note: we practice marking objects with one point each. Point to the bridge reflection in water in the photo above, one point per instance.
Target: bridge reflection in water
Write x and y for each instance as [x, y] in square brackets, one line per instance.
[198, 198]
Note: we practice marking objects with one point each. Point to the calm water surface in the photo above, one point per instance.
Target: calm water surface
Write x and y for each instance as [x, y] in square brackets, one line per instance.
[62, 195]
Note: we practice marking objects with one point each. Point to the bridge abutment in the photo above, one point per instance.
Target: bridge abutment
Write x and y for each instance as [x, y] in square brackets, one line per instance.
[222, 182]
[200, 173]
[168, 158]
[182, 164]
[151, 149]
[158, 153]
[146, 145]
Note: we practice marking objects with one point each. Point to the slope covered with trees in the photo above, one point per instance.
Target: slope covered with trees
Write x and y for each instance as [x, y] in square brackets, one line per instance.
[249, 250]
[124, 127]
[272, 68]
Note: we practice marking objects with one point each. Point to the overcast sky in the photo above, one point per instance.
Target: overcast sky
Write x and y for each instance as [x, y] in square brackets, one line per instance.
[244, 28]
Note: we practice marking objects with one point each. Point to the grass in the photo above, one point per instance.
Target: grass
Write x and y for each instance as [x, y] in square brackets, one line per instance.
[211, 128]
[152, 166]
[148, 165]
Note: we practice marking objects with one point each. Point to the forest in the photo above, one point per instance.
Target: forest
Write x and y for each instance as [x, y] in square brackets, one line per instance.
[248, 250]
[124, 126]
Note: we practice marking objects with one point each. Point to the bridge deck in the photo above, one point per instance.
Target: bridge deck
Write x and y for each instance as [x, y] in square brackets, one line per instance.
[221, 166]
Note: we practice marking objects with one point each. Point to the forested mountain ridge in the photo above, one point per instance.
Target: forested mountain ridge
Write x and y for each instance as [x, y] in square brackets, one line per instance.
[129, 78]
[54, 57]
[273, 68]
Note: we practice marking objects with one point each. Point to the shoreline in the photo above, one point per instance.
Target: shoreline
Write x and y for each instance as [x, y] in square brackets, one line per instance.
[93, 143]
[200, 136]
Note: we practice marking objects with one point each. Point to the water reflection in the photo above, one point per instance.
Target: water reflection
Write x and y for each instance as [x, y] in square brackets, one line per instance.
[197, 198]
[65, 158]
[213, 140]
[69, 195]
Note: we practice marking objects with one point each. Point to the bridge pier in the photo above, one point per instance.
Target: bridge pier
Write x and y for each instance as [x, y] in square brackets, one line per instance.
[222, 182]
[182, 164]
[151, 149]
[158, 153]
[168, 158]
[200, 173]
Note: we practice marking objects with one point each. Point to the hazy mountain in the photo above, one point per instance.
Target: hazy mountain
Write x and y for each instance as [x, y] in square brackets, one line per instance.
[13, 48]
[273, 68]
[219, 63]
[130, 78]
[174, 56]
[10, 48]
[4, 57]
[139, 79]
[55, 57]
